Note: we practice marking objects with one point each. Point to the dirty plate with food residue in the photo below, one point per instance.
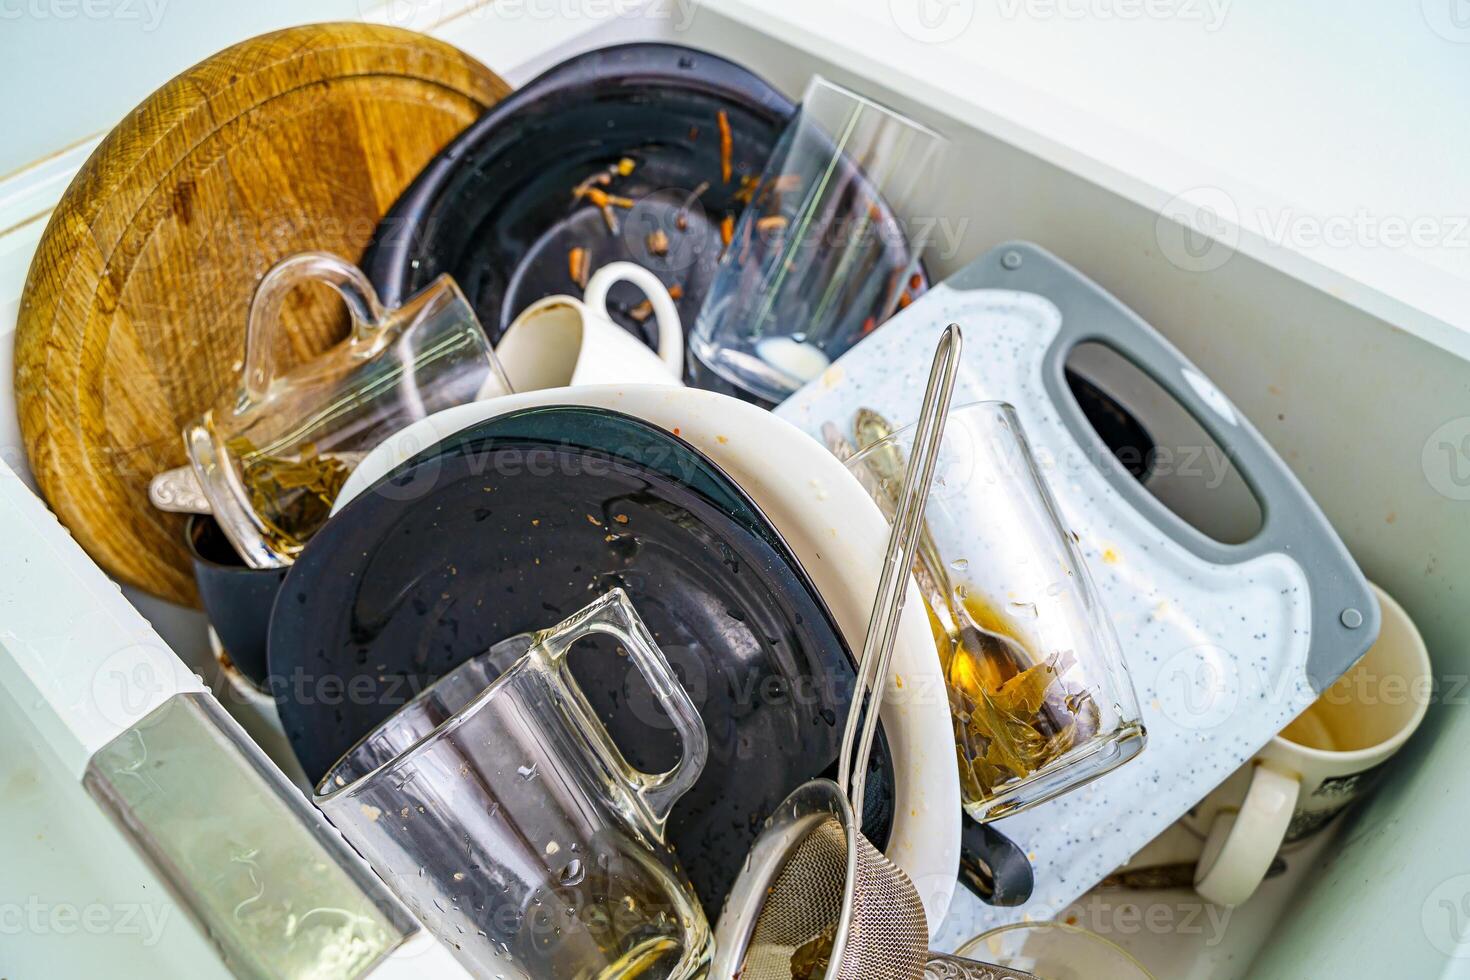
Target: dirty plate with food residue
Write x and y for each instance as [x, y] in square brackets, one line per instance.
[516, 522]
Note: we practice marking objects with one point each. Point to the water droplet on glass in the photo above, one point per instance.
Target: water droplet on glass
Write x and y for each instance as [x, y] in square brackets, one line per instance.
[573, 873]
[960, 564]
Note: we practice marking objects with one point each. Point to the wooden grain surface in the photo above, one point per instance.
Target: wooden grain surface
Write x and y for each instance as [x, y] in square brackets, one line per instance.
[132, 323]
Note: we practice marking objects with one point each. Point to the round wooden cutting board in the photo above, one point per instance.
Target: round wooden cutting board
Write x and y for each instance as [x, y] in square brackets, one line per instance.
[132, 323]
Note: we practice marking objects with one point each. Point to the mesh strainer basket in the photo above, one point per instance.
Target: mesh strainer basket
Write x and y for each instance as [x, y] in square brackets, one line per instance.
[796, 898]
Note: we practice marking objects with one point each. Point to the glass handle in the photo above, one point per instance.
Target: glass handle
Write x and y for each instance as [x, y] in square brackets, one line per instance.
[265, 308]
[614, 615]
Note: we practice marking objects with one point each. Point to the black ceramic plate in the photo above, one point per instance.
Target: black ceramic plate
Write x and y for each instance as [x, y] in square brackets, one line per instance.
[495, 209]
[516, 523]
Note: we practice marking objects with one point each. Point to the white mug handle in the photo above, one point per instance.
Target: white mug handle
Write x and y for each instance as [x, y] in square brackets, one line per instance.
[1242, 844]
[666, 315]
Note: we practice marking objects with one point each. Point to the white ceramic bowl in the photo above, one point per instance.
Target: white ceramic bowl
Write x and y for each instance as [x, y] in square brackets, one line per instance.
[838, 535]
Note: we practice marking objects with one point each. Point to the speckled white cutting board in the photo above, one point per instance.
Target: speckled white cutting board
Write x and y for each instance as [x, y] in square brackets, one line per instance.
[1217, 653]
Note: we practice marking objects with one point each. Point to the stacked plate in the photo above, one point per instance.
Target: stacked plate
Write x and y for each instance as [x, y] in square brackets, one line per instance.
[748, 550]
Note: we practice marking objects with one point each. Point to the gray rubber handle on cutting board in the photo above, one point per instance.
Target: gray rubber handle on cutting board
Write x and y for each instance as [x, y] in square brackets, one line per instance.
[1344, 614]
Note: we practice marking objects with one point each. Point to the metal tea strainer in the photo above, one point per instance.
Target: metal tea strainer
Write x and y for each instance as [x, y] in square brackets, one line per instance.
[816, 900]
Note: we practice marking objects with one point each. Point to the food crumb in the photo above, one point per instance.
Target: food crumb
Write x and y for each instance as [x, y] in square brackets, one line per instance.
[577, 265]
[727, 146]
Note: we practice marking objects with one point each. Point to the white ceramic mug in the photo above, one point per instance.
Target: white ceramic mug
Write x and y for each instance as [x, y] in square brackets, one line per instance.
[561, 341]
[1329, 756]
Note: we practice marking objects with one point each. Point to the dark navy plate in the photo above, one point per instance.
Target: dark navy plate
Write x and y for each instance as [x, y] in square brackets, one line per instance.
[495, 209]
[518, 522]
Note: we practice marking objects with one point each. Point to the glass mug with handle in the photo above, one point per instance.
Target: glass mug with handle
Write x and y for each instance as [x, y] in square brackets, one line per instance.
[269, 458]
[513, 827]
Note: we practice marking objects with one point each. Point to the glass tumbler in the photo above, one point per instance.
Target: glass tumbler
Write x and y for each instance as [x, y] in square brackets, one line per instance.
[820, 256]
[515, 829]
[1040, 695]
[271, 456]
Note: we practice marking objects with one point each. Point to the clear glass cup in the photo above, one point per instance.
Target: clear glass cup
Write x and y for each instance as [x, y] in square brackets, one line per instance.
[271, 456]
[1041, 698]
[820, 256]
[515, 829]
[1055, 951]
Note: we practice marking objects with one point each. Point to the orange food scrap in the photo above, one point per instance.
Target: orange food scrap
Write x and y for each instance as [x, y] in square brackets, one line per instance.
[676, 291]
[727, 147]
[577, 265]
[658, 242]
[727, 229]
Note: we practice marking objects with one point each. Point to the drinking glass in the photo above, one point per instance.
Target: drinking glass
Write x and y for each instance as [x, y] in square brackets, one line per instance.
[515, 829]
[819, 257]
[1055, 951]
[1040, 695]
[270, 457]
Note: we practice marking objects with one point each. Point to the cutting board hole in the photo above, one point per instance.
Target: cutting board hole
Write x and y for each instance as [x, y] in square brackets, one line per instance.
[1162, 445]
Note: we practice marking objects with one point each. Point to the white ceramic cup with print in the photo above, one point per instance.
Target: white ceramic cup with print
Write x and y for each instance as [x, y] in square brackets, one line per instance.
[562, 341]
[1328, 757]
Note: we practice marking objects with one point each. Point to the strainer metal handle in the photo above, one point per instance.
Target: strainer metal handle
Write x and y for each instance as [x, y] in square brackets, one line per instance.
[903, 542]
[944, 967]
